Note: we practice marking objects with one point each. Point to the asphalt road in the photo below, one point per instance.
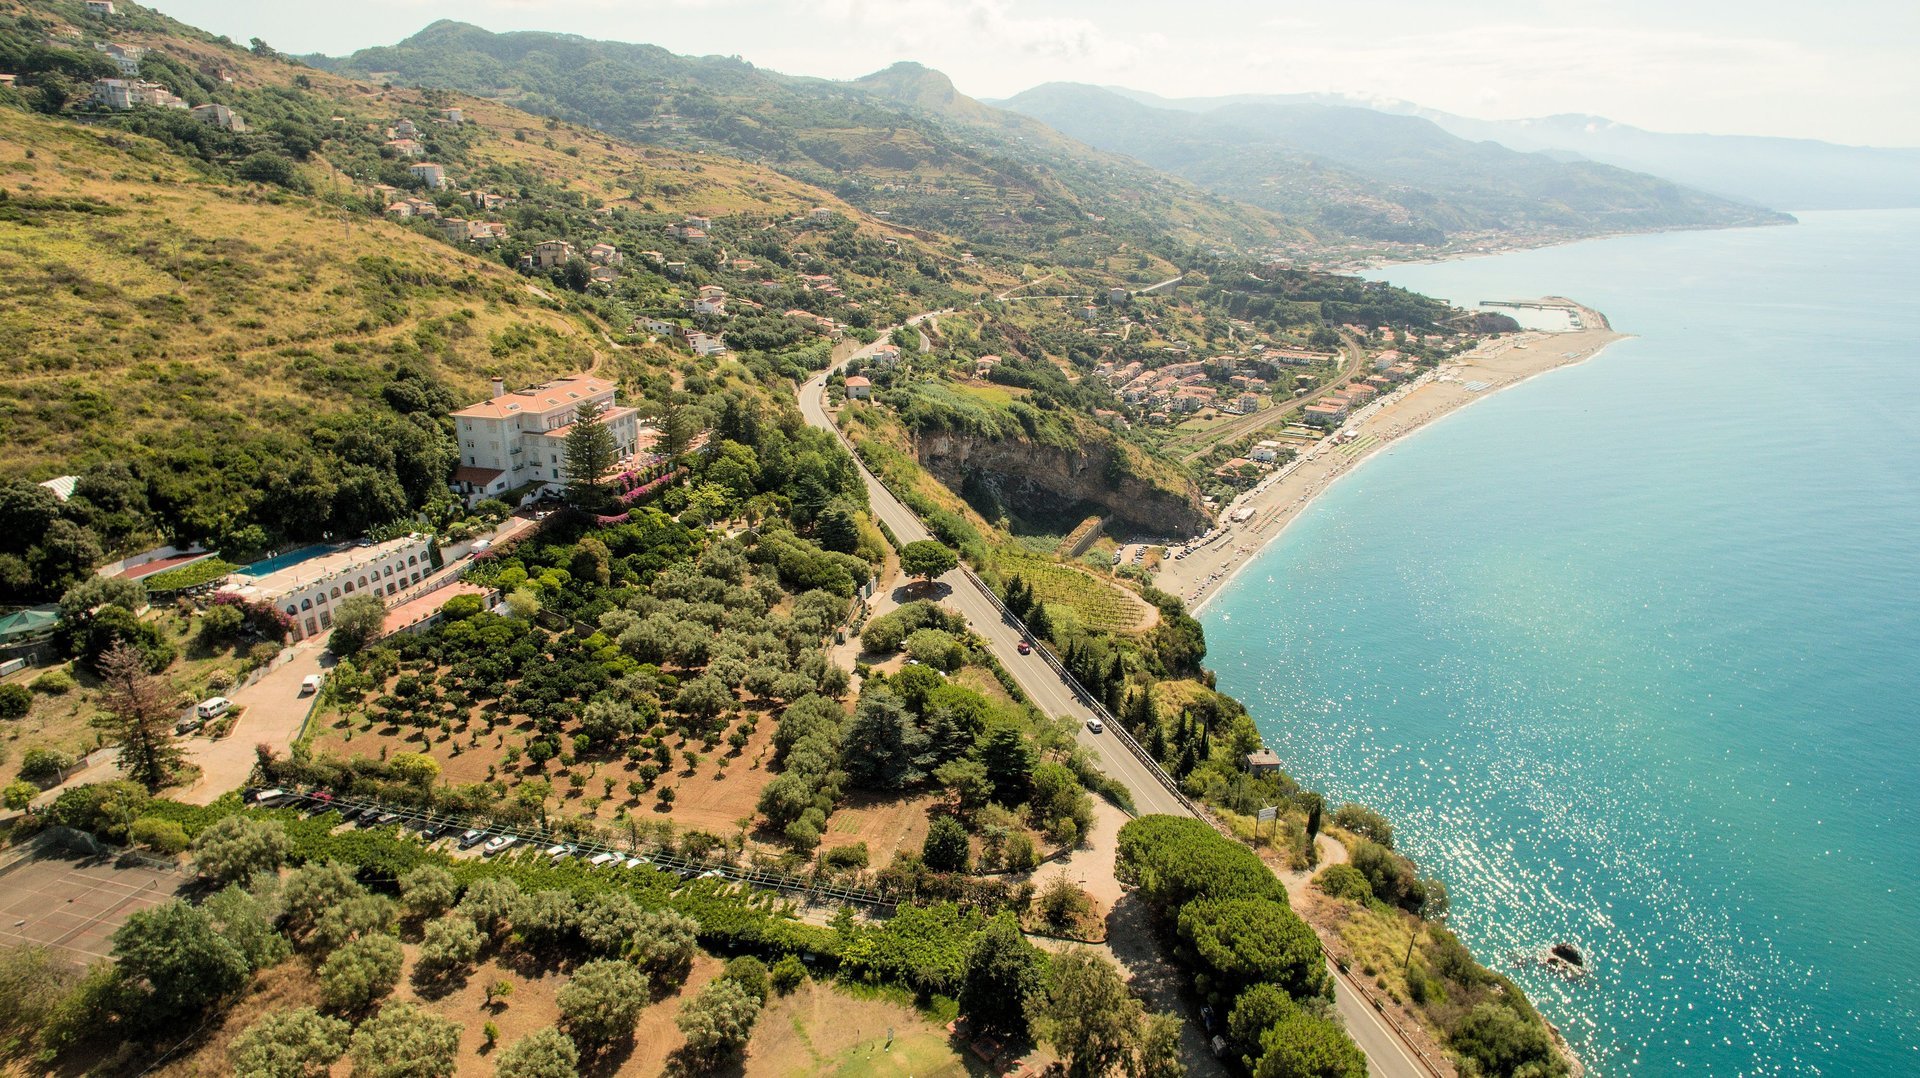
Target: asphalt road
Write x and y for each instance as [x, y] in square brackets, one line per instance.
[1387, 1055]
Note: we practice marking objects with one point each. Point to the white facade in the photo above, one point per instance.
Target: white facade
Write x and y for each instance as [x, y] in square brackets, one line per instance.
[430, 174]
[521, 437]
[311, 590]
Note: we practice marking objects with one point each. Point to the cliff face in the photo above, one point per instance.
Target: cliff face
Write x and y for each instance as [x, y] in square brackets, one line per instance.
[1097, 473]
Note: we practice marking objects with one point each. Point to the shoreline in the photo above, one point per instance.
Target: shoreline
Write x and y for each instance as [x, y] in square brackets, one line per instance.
[1281, 498]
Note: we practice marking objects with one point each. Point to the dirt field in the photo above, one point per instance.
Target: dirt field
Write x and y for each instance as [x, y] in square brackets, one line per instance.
[884, 823]
[71, 904]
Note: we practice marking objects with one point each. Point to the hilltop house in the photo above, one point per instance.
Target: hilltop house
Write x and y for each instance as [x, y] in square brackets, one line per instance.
[521, 437]
[125, 57]
[404, 129]
[859, 388]
[606, 254]
[405, 147]
[453, 116]
[99, 7]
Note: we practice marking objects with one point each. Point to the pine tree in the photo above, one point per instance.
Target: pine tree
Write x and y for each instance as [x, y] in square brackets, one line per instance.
[590, 451]
[676, 429]
[140, 715]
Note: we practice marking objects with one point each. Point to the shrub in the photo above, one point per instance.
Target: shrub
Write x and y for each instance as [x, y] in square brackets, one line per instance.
[163, 836]
[853, 855]
[787, 974]
[751, 974]
[1344, 881]
[1364, 822]
[1504, 1043]
[55, 682]
[946, 848]
[15, 700]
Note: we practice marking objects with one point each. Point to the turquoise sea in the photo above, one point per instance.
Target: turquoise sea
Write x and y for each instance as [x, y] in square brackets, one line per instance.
[1630, 653]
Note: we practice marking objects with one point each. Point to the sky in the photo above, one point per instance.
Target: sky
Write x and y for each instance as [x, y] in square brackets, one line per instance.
[1844, 70]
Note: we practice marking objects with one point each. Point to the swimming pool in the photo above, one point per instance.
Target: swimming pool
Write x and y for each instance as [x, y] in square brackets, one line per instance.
[278, 562]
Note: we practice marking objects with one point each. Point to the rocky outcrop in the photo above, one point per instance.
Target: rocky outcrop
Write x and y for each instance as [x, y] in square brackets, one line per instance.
[1099, 473]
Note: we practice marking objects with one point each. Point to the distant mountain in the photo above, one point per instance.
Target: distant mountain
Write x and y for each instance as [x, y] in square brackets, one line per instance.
[902, 142]
[1794, 174]
[1374, 175]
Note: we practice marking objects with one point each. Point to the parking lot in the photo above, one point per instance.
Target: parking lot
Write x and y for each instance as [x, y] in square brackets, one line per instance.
[72, 903]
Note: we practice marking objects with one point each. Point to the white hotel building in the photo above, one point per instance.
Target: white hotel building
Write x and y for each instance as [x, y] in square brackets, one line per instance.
[309, 591]
[521, 437]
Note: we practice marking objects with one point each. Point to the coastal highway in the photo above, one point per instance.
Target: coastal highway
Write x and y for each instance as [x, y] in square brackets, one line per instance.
[1388, 1055]
[961, 592]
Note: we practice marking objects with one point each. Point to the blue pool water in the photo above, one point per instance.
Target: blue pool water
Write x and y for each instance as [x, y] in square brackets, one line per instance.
[281, 561]
[1631, 653]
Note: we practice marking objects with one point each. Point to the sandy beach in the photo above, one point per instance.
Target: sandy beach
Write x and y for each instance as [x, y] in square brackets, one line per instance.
[1280, 497]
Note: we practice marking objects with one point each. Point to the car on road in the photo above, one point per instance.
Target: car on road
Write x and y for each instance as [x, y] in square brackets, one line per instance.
[472, 837]
[310, 683]
[496, 844]
[1095, 726]
[1023, 648]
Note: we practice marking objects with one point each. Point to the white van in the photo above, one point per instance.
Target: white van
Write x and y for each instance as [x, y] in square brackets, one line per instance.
[212, 707]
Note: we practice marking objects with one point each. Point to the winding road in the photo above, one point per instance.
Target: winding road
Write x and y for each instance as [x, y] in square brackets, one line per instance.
[1388, 1054]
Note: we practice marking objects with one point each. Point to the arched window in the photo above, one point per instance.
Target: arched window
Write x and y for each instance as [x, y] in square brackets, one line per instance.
[349, 587]
[413, 559]
[336, 593]
[306, 604]
[292, 609]
[363, 581]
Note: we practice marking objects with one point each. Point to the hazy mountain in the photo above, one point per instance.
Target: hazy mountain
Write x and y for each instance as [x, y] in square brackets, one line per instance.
[1799, 174]
[1372, 174]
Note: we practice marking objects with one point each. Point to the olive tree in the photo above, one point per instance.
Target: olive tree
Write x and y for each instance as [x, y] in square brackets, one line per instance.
[300, 1043]
[237, 848]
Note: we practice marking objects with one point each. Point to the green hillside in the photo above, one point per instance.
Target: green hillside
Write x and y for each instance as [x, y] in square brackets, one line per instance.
[902, 143]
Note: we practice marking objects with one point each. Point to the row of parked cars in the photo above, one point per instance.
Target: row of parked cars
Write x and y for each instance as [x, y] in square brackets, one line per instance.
[491, 843]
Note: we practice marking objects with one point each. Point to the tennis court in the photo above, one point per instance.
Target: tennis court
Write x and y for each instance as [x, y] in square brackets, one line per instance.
[72, 903]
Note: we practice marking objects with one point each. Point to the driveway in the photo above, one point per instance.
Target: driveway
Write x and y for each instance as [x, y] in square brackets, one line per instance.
[274, 711]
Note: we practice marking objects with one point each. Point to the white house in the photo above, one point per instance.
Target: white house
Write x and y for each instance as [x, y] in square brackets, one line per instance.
[430, 174]
[606, 254]
[123, 94]
[99, 7]
[859, 388]
[309, 591]
[704, 344]
[521, 437]
[1265, 452]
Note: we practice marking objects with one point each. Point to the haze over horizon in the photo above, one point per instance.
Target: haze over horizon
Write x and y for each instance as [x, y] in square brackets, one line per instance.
[1716, 67]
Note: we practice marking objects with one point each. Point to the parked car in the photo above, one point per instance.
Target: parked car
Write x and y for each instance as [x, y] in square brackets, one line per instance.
[635, 862]
[310, 683]
[471, 837]
[560, 849]
[497, 843]
[212, 707]
[601, 860]
[386, 818]
[275, 796]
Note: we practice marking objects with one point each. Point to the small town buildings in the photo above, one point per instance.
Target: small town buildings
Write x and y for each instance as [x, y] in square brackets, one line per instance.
[548, 254]
[1321, 413]
[1118, 295]
[99, 7]
[1263, 762]
[521, 437]
[606, 254]
[123, 94]
[412, 207]
[1265, 452]
[694, 220]
[486, 200]
[715, 305]
[309, 591]
[221, 117]
[430, 174]
[1244, 404]
[405, 147]
[1087, 313]
[859, 388]
[453, 116]
[404, 129]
